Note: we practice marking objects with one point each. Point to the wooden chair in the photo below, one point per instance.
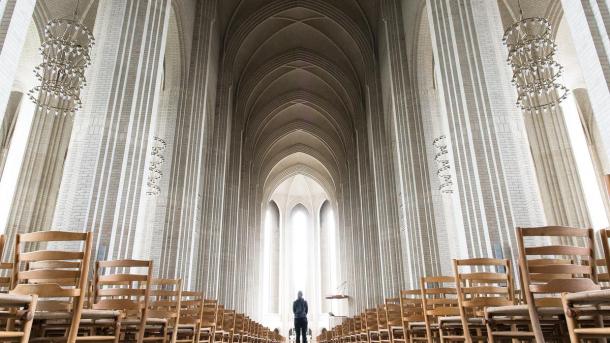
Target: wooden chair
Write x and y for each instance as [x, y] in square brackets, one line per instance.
[238, 328]
[14, 307]
[191, 313]
[412, 314]
[441, 311]
[163, 310]
[382, 324]
[228, 325]
[247, 335]
[17, 315]
[57, 276]
[210, 319]
[481, 283]
[585, 311]
[360, 328]
[122, 286]
[552, 260]
[355, 327]
[371, 326]
[394, 319]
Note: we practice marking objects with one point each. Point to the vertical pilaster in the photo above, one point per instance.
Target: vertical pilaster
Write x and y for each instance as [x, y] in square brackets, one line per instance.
[106, 167]
[418, 228]
[560, 187]
[589, 23]
[495, 181]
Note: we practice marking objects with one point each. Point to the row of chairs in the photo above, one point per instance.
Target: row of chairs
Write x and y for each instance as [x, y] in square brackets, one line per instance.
[563, 296]
[47, 296]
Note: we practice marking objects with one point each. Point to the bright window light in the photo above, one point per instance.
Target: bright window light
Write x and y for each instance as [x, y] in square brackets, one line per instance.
[332, 247]
[267, 257]
[299, 249]
[16, 153]
[584, 164]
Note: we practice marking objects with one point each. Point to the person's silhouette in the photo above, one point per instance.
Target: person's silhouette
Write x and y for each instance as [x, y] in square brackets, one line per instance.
[299, 308]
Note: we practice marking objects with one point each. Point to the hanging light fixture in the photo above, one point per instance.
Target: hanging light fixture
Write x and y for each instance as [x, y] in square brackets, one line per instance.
[531, 54]
[155, 168]
[65, 56]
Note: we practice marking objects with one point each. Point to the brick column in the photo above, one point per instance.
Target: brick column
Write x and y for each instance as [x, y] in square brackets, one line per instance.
[106, 167]
[495, 187]
[589, 23]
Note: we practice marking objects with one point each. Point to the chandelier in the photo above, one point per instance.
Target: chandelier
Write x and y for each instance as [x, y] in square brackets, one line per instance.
[65, 56]
[531, 53]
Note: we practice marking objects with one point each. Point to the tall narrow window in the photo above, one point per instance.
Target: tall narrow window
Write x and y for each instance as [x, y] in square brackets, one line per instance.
[328, 254]
[271, 258]
[299, 226]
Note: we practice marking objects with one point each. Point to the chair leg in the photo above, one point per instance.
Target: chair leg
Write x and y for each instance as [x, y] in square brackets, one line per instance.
[571, 322]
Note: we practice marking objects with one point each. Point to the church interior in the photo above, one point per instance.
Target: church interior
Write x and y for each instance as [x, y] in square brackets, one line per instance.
[421, 170]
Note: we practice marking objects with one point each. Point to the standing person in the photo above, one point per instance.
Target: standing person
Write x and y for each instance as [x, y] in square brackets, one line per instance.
[299, 308]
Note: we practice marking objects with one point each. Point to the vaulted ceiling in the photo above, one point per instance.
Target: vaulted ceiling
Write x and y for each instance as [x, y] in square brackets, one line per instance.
[297, 70]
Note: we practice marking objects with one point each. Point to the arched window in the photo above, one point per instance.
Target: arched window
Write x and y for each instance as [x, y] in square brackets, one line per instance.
[299, 222]
[328, 252]
[271, 257]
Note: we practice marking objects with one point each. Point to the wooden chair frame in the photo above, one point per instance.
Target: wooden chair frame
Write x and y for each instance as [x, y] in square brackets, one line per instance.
[124, 286]
[190, 317]
[211, 320]
[412, 314]
[487, 282]
[54, 275]
[441, 311]
[394, 320]
[585, 311]
[565, 264]
[163, 317]
[20, 308]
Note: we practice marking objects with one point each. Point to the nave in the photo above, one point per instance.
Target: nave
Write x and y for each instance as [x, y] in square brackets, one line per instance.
[422, 170]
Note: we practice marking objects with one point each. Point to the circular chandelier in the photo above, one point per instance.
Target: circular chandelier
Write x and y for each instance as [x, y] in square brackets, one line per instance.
[65, 56]
[531, 54]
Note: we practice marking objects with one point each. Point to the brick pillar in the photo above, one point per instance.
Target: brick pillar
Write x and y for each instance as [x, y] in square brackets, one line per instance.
[495, 188]
[589, 23]
[106, 167]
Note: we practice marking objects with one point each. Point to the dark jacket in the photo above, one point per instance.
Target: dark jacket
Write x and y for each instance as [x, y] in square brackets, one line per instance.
[299, 308]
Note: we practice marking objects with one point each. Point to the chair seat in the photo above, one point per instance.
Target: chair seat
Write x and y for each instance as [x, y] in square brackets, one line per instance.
[153, 321]
[47, 315]
[10, 334]
[420, 325]
[458, 320]
[100, 314]
[521, 310]
[14, 299]
[598, 296]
